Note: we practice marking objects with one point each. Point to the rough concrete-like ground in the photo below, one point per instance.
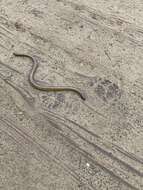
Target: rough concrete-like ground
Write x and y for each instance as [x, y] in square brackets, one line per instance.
[56, 141]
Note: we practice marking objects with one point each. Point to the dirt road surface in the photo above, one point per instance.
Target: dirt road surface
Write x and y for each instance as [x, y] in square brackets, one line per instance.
[55, 140]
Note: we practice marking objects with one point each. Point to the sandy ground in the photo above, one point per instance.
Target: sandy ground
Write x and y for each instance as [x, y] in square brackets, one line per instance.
[55, 140]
